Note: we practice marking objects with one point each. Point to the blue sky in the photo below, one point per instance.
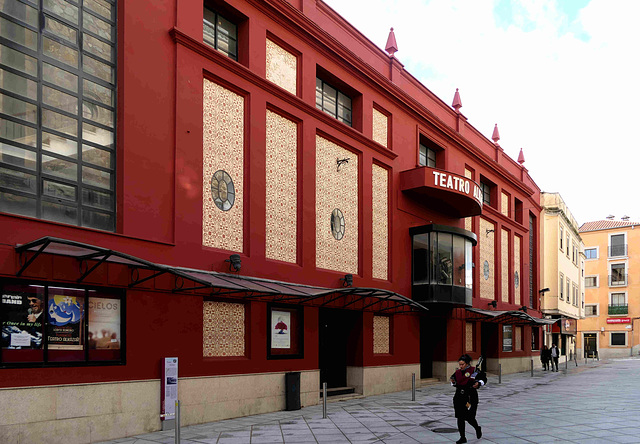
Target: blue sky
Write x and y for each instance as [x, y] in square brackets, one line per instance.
[560, 78]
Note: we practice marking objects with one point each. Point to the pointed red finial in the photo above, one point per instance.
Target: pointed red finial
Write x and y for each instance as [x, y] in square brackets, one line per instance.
[520, 157]
[496, 135]
[392, 46]
[457, 103]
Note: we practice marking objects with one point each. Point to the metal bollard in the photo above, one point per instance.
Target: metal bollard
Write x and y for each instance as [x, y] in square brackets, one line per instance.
[532, 368]
[324, 400]
[566, 363]
[413, 386]
[499, 373]
[177, 429]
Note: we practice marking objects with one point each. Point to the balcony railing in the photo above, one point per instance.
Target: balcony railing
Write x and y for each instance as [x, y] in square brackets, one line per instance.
[617, 280]
[618, 309]
[617, 250]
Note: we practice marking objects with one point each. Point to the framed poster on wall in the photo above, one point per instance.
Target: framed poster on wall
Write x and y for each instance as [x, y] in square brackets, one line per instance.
[285, 335]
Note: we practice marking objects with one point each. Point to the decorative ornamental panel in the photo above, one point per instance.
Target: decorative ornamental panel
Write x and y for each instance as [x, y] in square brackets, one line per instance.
[517, 269]
[336, 188]
[486, 241]
[468, 336]
[380, 228]
[381, 334]
[223, 330]
[505, 204]
[282, 67]
[380, 127]
[281, 188]
[222, 150]
[505, 265]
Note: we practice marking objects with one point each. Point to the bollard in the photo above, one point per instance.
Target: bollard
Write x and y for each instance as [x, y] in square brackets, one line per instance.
[324, 400]
[566, 363]
[499, 373]
[177, 429]
[413, 386]
[532, 368]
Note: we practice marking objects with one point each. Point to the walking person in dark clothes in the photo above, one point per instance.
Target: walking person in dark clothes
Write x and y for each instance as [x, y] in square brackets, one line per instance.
[467, 380]
[545, 357]
[555, 355]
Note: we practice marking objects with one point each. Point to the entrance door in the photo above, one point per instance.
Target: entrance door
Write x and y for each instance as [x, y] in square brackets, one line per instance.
[337, 345]
[490, 346]
[590, 347]
[433, 337]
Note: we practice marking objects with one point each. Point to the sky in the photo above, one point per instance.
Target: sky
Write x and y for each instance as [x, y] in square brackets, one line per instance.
[560, 78]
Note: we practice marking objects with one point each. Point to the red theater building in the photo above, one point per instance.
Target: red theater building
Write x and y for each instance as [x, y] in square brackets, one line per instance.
[251, 187]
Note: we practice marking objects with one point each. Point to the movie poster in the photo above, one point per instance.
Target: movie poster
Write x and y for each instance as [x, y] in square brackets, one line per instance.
[104, 323]
[280, 329]
[22, 320]
[64, 331]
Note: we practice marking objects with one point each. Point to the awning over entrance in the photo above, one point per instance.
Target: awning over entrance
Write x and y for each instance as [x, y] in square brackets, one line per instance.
[514, 317]
[221, 284]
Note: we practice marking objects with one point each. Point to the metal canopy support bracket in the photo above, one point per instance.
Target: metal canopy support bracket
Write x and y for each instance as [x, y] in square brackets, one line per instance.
[23, 250]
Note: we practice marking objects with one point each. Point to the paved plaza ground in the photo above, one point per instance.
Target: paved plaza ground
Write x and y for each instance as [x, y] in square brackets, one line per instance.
[594, 403]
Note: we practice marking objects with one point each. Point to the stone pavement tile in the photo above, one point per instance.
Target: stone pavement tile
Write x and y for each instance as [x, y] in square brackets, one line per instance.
[634, 431]
[427, 436]
[624, 438]
[400, 440]
[267, 440]
[543, 439]
[361, 437]
[205, 441]
[332, 438]
[595, 441]
[510, 440]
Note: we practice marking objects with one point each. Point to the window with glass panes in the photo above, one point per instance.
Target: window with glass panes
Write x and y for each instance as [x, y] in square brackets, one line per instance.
[427, 156]
[220, 33]
[333, 102]
[486, 192]
[591, 310]
[57, 109]
[618, 299]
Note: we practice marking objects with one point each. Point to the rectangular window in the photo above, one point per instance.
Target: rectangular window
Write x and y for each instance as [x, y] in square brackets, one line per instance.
[618, 338]
[618, 275]
[535, 338]
[486, 192]
[57, 111]
[568, 244]
[507, 339]
[617, 245]
[591, 253]
[49, 325]
[333, 102]
[618, 299]
[561, 238]
[561, 287]
[427, 156]
[220, 33]
[591, 310]
[591, 281]
[568, 290]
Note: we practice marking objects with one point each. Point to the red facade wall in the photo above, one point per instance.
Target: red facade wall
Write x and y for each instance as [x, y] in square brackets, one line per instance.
[161, 65]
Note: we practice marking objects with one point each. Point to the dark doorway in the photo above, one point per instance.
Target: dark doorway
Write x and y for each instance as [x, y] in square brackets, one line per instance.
[338, 344]
[433, 335]
[590, 345]
[489, 344]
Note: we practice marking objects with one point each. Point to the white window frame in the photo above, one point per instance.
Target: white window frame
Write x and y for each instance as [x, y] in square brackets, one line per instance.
[626, 272]
[626, 296]
[625, 243]
[597, 305]
[592, 276]
[561, 237]
[626, 339]
[568, 243]
[592, 248]
[561, 286]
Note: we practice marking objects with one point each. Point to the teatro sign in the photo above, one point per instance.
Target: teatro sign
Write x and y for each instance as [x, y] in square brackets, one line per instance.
[456, 195]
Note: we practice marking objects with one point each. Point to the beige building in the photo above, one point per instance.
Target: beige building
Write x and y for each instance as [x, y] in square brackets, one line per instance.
[562, 272]
[612, 290]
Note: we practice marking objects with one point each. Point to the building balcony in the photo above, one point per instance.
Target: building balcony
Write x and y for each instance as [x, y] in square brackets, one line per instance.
[617, 250]
[617, 280]
[618, 309]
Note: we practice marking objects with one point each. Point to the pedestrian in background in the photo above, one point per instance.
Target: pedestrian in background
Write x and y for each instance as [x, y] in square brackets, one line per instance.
[555, 355]
[467, 380]
[545, 357]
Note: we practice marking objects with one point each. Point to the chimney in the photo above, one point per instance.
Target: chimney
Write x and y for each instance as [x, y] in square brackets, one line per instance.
[610, 217]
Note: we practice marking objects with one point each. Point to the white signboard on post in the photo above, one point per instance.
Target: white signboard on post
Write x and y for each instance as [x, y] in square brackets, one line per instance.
[169, 388]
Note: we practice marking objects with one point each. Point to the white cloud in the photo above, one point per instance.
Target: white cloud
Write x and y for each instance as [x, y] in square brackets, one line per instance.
[566, 97]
